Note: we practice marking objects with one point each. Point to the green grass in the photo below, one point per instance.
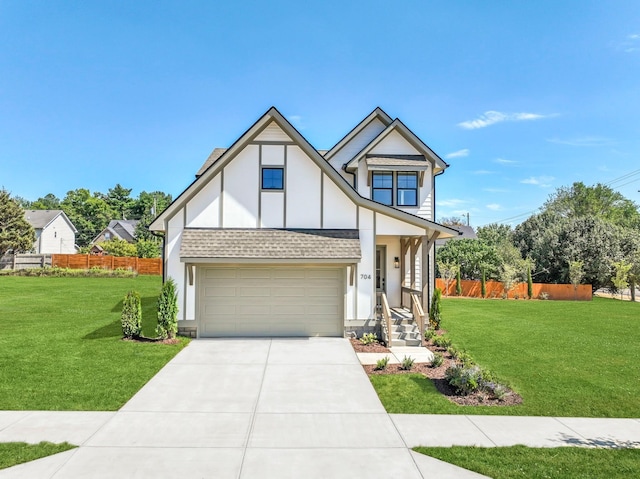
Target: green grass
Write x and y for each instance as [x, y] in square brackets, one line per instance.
[544, 463]
[12, 453]
[565, 358]
[61, 347]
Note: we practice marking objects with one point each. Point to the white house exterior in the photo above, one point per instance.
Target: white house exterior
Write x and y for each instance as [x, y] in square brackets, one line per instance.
[55, 233]
[275, 239]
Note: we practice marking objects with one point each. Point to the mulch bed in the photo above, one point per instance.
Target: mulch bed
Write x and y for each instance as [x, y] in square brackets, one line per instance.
[143, 339]
[436, 375]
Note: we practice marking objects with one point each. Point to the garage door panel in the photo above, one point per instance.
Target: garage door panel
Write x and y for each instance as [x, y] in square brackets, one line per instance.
[271, 301]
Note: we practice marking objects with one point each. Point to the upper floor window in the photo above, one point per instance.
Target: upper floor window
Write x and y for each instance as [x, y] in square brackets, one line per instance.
[407, 189]
[405, 185]
[272, 178]
[382, 191]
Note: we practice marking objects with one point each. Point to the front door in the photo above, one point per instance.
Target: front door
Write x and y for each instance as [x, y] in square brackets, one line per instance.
[381, 269]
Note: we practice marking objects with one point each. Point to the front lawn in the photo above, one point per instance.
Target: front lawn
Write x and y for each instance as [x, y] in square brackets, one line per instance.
[565, 358]
[13, 453]
[541, 463]
[60, 346]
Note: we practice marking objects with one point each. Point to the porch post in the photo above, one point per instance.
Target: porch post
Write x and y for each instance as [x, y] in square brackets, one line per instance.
[428, 270]
[404, 246]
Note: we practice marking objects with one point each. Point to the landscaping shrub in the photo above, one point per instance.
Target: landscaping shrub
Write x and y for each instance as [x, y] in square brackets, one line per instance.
[429, 334]
[381, 364]
[434, 311]
[369, 338]
[483, 285]
[458, 284]
[168, 310]
[529, 282]
[407, 363]
[437, 360]
[442, 342]
[465, 379]
[131, 318]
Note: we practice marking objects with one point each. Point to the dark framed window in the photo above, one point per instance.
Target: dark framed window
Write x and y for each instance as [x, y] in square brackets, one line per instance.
[382, 190]
[407, 189]
[273, 178]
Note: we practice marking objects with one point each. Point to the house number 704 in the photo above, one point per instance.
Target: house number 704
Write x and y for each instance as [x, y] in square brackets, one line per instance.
[365, 276]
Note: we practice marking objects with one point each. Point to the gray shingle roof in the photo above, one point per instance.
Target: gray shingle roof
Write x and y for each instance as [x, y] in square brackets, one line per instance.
[273, 244]
[41, 218]
[124, 229]
[215, 154]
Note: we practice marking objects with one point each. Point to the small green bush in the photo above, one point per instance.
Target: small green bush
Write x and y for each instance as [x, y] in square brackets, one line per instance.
[458, 284]
[430, 334]
[168, 310]
[442, 342]
[465, 379]
[434, 311]
[437, 360]
[369, 338]
[381, 364]
[407, 363]
[483, 285]
[131, 318]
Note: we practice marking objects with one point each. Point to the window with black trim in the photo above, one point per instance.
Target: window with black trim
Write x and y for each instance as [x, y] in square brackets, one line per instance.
[273, 178]
[407, 188]
[382, 190]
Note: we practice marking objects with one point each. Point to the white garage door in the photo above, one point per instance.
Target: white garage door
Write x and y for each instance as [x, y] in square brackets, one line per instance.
[270, 301]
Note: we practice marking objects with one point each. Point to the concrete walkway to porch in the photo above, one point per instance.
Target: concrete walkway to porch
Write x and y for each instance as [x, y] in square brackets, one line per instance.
[275, 408]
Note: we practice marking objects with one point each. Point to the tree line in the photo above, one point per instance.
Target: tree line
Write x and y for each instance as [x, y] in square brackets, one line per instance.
[586, 232]
[91, 213]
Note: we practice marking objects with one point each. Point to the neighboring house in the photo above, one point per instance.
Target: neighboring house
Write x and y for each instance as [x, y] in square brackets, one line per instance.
[55, 232]
[118, 229]
[274, 238]
[466, 232]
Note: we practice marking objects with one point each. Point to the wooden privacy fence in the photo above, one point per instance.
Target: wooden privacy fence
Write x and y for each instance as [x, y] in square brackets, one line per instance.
[495, 289]
[88, 261]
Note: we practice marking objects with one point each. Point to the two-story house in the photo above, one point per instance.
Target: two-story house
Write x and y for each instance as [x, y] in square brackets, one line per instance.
[274, 238]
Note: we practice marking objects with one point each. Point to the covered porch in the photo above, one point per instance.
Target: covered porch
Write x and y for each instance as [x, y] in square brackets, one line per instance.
[404, 276]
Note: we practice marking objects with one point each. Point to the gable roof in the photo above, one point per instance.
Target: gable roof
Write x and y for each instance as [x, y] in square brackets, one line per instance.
[215, 154]
[274, 116]
[378, 113]
[438, 163]
[40, 219]
[120, 229]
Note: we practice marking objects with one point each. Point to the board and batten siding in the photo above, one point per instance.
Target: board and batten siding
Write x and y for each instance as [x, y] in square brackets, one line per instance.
[354, 146]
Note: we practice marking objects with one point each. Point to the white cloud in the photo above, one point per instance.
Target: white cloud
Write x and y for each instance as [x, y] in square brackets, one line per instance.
[630, 44]
[458, 154]
[541, 181]
[502, 161]
[482, 172]
[583, 141]
[492, 117]
[452, 202]
[494, 206]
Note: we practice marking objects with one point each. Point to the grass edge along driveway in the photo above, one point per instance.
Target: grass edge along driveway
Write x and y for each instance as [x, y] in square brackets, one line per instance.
[541, 463]
[14, 453]
[61, 346]
[565, 358]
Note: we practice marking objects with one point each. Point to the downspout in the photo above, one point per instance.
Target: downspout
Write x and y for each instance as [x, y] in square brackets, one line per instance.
[355, 178]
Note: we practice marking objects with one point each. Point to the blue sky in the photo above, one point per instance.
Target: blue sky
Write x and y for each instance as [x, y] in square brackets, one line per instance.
[518, 97]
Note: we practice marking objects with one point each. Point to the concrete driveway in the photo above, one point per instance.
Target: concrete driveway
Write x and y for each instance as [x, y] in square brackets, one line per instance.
[263, 408]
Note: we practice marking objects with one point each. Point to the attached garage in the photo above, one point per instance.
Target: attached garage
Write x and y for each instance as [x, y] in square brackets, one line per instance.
[269, 282]
[270, 301]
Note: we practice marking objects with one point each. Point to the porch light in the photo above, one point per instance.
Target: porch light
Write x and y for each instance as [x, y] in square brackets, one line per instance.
[396, 262]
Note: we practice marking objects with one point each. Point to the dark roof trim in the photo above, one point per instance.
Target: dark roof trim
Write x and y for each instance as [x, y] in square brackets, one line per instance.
[377, 113]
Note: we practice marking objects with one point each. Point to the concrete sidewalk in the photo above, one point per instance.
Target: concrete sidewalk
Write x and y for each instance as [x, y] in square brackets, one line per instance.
[275, 408]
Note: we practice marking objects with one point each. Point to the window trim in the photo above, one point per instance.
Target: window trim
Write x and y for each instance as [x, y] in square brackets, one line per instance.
[373, 188]
[269, 167]
[395, 190]
[398, 189]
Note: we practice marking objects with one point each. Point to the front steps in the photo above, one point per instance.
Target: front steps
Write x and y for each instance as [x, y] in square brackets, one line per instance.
[404, 330]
